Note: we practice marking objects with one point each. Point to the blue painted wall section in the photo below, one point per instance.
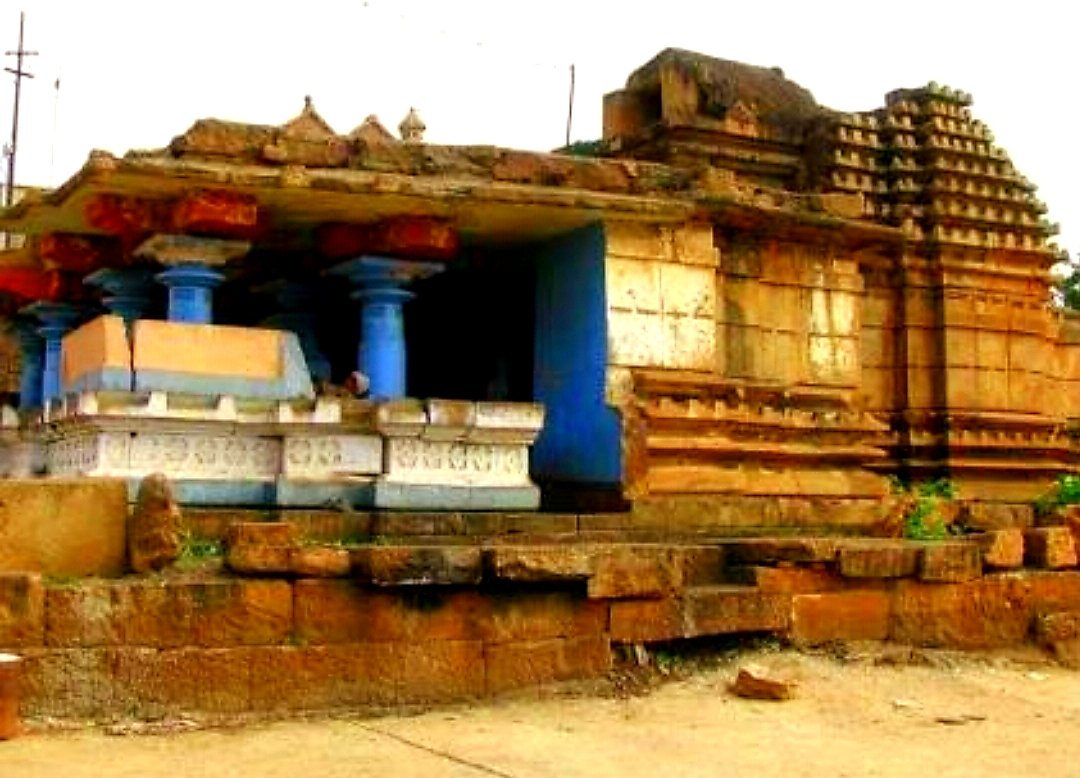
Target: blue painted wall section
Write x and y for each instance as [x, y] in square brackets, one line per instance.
[581, 440]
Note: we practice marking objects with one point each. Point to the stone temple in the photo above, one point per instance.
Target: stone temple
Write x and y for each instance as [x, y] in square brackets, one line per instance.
[737, 307]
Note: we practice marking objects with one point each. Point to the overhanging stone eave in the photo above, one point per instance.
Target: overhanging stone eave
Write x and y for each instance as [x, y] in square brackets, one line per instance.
[298, 198]
[853, 233]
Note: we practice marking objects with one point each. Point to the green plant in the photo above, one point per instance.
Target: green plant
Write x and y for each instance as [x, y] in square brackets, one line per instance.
[925, 520]
[1065, 491]
[195, 551]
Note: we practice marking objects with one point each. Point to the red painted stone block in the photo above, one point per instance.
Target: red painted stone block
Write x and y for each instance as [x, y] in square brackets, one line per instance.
[216, 212]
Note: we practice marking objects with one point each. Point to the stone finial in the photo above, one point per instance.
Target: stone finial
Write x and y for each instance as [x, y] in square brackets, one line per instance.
[412, 128]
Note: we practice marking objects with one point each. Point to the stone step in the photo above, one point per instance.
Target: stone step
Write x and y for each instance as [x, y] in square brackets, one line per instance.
[718, 609]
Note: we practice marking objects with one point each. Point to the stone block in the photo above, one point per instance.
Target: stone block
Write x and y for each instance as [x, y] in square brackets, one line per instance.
[995, 516]
[990, 612]
[397, 524]
[636, 571]
[702, 565]
[405, 417]
[646, 621]
[515, 616]
[449, 419]
[1051, 548]
[331, 612]
[884, 559]
[849, 615]
[950, 561]
[83, 615]
[260, 547]
[22, 610]
[789, 579]
[68, 684]
[63, 527]
[148, 683]
[96, 356]
[418, 496]
[319, 561]
[720, 610]
[214, 613]
[212, 359]
[1050, 591]
[768, 551]
[298, 678]
[418, 565]
[439, 671]
[1002, 549]
[328, 456]
[536, 663]
[207, 613]
[534, 564]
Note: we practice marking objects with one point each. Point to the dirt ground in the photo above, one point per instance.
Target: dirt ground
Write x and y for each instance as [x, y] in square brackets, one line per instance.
[864, 712]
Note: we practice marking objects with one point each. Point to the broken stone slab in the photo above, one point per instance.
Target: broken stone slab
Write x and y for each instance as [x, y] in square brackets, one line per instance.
[1050, 548]
[319, 562]
[1002, 549]
[757, 683]
[264, 548]
[771, 551]
[534, 564]
[153, 529]
[952, 562]
[418, 565]
[884, 559]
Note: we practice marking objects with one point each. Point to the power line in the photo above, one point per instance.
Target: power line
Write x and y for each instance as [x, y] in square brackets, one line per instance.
[20, 54]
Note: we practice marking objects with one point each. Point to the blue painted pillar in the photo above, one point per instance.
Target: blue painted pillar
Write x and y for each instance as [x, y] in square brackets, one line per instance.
[191, 291]
[129, 292]
[31, 361]
[56, 319]
[381, 281]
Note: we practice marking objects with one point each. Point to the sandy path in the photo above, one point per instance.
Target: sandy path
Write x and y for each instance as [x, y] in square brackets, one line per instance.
[848, 719]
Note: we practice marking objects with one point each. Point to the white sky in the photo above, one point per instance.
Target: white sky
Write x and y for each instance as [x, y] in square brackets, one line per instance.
[135, 74]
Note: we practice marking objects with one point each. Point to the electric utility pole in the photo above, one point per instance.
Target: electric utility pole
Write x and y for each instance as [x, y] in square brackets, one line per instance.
[20, 54]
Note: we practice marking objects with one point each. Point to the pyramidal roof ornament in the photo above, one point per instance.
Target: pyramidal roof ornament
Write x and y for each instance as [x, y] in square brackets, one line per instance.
[412, 127]
[308, 124]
